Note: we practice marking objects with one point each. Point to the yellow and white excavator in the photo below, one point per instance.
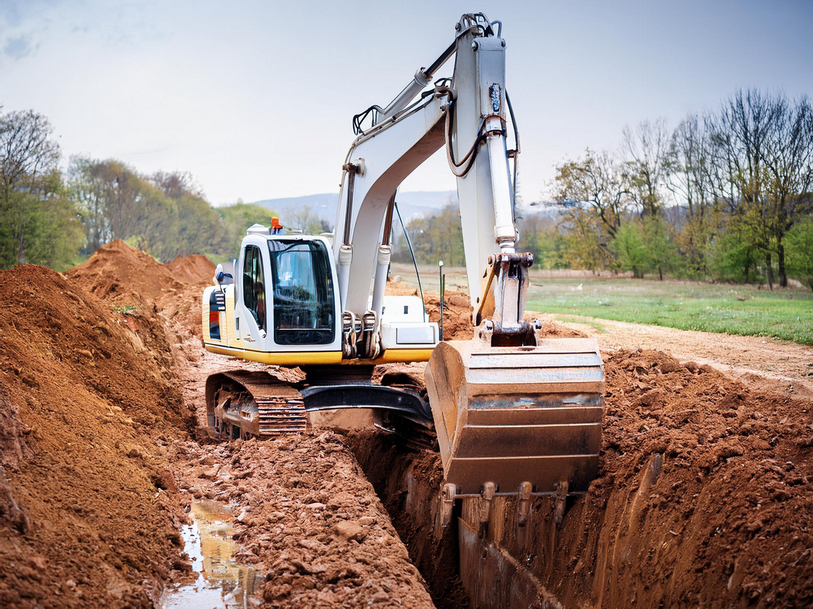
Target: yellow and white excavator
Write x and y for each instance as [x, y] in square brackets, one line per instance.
[514, 412]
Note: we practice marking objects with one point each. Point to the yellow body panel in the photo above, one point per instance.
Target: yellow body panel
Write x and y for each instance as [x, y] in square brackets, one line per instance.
[285, 358]
[397, 355]
[231, 344]
[303, 358]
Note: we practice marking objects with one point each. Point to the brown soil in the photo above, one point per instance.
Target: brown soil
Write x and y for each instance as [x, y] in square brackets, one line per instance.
[703, 498]
[401, 476]
[194, 268]
[128, 278]
[457, 324]
[787, 367]
[309, 519]
[94, 435]
[725, 520]
[87, 503]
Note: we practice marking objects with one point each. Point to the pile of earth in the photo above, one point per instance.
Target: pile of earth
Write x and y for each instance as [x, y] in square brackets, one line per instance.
[194, 268]
[88, 506]
[138, 284]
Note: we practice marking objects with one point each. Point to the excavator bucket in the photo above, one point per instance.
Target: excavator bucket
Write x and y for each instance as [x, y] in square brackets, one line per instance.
[516, 415]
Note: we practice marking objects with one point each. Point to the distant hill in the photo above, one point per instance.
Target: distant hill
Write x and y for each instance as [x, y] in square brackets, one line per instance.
[412, 204]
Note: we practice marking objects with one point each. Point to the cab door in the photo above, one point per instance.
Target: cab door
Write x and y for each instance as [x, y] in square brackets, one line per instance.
[252, 322]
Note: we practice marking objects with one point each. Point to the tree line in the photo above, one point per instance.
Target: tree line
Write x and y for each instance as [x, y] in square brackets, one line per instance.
[58, 218]
[725, 196]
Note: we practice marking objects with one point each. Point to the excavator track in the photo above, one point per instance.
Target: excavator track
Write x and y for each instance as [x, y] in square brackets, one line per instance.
[244, 404]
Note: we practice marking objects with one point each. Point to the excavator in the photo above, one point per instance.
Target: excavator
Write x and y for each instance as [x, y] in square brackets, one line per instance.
[514, 413]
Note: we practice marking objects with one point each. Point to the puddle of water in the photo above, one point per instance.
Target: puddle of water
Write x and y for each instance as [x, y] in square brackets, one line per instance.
[219, 582]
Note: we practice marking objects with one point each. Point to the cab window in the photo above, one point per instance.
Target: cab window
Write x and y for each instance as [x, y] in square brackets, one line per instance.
[303, 292]
[254, 286]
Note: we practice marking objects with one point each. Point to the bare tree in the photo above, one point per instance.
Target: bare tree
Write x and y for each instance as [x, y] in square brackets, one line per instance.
[788, 158]
[647, 153]
[176, 184]
[597, 181]
[764, 144]
[692, 184]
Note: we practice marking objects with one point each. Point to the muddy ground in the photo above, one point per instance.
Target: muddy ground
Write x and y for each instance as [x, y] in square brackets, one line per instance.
[703, 498]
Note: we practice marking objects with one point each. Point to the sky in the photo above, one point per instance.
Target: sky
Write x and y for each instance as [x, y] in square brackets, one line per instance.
[255, 99]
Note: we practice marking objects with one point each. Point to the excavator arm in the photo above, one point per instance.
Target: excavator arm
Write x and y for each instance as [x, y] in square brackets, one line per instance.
[515, 412]
[469, 119]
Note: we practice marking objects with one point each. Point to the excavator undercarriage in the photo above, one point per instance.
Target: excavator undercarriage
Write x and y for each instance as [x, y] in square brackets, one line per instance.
[244, 404]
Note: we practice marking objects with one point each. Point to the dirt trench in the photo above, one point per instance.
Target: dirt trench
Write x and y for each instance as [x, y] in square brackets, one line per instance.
[703, 498]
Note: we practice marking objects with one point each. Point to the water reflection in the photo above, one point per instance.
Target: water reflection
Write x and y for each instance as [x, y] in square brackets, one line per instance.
[219, 582]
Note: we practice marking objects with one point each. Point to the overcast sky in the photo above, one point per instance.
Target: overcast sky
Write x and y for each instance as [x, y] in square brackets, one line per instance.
[255, 99]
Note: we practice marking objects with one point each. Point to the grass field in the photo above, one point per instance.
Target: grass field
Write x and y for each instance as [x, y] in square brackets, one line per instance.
[734, 309]
[786, 314]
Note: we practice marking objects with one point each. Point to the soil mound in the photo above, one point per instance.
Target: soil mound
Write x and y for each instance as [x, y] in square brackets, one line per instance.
[135, 282]
[117, 272]
[85, 409]
[194, 268]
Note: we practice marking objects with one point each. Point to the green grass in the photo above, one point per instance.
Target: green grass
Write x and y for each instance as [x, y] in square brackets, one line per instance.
[124, 309]
[785, 314]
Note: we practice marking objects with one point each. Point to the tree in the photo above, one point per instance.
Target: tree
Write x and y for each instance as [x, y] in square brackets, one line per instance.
[597, 181]
[735, 257]
[764, 146]
[199, 226]
[88, 192]
[629, 246]
[306, 221]
[691, 182]
[435, 237]
[659, 247]
[118, 203]
[538, 234]
[54, 233]
[788, 159]
[236, 219]
[594, 193]
[648, 156]
[27, 156]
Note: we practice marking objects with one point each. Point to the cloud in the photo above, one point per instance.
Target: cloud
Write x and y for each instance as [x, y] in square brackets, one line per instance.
[19, 47]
